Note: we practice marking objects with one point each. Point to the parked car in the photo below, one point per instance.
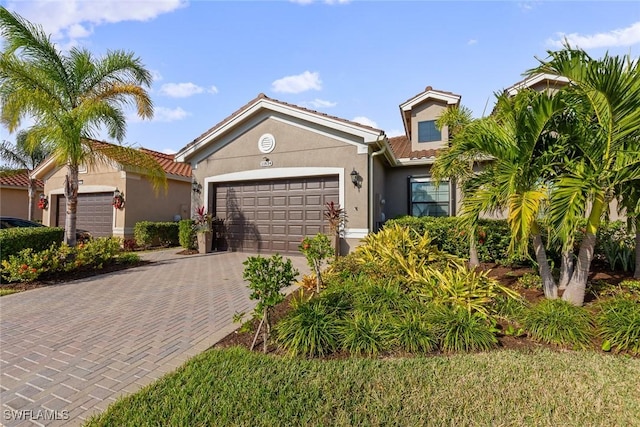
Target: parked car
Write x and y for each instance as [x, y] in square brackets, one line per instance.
[11, 222]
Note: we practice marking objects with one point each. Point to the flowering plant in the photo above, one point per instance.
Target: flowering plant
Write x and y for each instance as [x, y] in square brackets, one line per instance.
[202, 221]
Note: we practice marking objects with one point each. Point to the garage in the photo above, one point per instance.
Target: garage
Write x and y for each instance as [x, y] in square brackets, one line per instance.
[273, 215]
[94, 213]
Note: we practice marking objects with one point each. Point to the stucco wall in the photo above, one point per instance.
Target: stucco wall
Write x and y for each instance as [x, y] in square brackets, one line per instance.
[297, 146]
[428, 110]
[144, 204]
[15, 202]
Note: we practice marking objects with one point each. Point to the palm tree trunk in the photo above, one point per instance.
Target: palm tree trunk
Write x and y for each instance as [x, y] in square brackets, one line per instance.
[473, 252]
[636, 274]
[32, 195]
[548, 284]
[71, 194]
[577, 286]
[566, 269]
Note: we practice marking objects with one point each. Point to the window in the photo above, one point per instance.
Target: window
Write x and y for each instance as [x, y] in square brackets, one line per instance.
[427, 200]
[428, 132]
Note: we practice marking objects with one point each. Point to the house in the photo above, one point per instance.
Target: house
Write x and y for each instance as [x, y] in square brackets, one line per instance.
[99, 184]
[14, 196]
[270, 168]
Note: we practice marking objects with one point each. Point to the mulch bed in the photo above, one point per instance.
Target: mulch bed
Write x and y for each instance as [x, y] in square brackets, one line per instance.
[506, 275]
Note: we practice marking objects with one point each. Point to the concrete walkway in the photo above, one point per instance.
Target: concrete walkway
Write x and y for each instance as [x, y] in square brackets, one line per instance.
[68, 351]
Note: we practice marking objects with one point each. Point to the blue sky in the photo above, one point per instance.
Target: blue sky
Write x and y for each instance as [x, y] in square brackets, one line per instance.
[354, 59]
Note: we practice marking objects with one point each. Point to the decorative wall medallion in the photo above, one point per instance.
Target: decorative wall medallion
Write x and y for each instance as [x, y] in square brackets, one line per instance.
[266, 143]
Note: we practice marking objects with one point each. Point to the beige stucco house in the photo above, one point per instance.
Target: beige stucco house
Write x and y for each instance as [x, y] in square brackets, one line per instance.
[270, 168]
[14, 196]
[96, 213]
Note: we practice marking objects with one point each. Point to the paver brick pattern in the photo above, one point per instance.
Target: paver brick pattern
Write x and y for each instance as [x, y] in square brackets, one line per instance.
[68, 351]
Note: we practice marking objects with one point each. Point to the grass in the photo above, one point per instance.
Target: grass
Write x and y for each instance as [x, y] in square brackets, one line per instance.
[4, 292]
[541, 388]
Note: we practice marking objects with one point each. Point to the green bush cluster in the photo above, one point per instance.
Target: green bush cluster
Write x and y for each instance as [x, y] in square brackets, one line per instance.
[448, 235]
[619, 324]
[616, 245]
[187, 234]
[149, 233]
[14, 240]
[29, 265]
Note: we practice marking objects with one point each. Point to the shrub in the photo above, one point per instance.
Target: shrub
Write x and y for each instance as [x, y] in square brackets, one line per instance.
[457, 329]
[187, 234]
[98, 251]
[509, 308]
[344, 268]
[149, 233]
[317, 249]
[14, 240]
[267, 277]
[471, 290]
[616, 245]
[558, 322]
[412, 333]
[128, 258]
[529, 281]
[310, 329]
[396, 252]
[619, 324]
[363, 334]
[375, 297]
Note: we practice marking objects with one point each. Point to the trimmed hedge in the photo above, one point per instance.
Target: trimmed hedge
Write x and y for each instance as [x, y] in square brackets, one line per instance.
[13, 240]
[186, 234]
[449, 236]
[149, 233]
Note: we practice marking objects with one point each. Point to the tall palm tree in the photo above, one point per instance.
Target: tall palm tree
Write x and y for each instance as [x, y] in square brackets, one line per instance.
[457, 119]
[72, 97]
[23, 157]
[517, 143]
[605, 95]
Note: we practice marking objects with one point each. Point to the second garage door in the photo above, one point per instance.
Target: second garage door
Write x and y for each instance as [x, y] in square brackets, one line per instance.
[274, 215]
[94, 214]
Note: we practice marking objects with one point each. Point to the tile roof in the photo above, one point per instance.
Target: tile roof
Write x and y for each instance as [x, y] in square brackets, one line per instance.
[286, 104]
[20, 179]
[167, 162]
[401, 147]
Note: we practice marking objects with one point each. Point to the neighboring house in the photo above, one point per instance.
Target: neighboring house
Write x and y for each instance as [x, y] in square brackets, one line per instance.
[95, 211]
[270, 168]
[14, 196]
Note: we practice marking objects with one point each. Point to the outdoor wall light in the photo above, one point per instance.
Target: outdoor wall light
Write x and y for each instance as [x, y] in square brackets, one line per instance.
[355, 178]
[196, 187]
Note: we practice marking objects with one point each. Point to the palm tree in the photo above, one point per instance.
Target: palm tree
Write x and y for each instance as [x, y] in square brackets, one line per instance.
[20, 157]
[516, 143]
[71, 97]
[457, 119]
[605, 153]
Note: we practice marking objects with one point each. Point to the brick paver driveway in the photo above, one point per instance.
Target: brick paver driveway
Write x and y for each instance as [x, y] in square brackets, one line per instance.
[68, 351]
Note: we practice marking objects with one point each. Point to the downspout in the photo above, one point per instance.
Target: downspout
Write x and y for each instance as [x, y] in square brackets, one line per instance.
[371, 209]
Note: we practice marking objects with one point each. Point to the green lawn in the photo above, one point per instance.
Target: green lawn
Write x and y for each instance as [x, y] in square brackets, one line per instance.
[542, 388]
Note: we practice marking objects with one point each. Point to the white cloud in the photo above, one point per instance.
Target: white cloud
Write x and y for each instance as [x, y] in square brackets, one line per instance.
[155, 75]
[180, 90]
[365, 121]
[72, 19]
[161, 114]
[319, 103]
[471, 42]
[213, 90]
[169, 151]
[395, 132]
[620, 37]
[296, 84]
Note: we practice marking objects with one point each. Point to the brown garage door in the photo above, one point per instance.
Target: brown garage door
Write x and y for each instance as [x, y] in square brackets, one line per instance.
[274, 215]
[95, 213]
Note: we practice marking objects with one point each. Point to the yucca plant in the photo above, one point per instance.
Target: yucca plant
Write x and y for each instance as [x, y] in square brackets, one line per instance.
[619, 324]
[460, 330]
[558, 322]
[311, 329]
[364, 334]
